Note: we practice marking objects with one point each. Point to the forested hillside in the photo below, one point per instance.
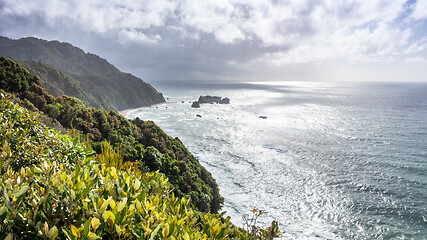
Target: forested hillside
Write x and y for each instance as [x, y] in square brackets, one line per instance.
[58, 83]
[137, 141]
[55, 188]
[97, 79]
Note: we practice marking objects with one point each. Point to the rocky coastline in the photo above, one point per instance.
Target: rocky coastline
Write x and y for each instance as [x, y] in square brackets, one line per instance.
[211, 100]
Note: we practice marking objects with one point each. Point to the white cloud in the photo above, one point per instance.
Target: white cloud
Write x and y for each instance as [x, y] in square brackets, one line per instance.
[229, 34]
[417, 46]
[420, 10]
[98, 16]
[133, 36]
[278, 32]
[379, 44]
[416, 60]
[310, 31]
[207, 16]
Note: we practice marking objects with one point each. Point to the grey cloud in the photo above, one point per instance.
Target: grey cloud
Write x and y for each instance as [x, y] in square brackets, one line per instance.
[166, 40]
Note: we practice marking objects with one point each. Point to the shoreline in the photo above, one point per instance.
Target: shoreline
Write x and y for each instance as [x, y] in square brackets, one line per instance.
[124, 112]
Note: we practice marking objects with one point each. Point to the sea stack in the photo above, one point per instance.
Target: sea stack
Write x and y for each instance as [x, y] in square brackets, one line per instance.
[213, 99]
[195, 104]
[209, 99]
[224, 101]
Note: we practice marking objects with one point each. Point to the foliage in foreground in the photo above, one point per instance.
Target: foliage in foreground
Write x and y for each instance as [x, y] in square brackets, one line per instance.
[65, 193]
[136, 140]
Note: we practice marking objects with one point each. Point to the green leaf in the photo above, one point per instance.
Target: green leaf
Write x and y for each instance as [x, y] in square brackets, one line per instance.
[154, 233]
[92, 236]
[75, 141]
[121, 204]
[172, 228]
[21, 191]
[220, 234]
[109, 217]
[89, 187]
[5, 194]
[68, 234]
[206, 229]
[122, 216]
[165, 231]
[95, 223]
[186, 237]
[86, 227]
[75, 231]
[105, 204]
[53, 233]
[118, 229]
[3, 209]
[136, 184]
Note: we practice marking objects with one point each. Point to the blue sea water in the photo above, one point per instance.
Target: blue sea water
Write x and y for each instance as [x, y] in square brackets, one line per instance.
[331, 161]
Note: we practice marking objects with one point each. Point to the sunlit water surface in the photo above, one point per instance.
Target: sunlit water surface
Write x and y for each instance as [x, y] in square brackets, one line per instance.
[331, 161]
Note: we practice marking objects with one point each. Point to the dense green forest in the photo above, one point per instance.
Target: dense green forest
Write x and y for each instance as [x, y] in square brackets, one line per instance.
[55, 188]
[59, 83]
[138, 141]
[78, 74]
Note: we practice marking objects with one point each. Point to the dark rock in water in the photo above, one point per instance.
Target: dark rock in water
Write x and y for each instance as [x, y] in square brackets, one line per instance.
[263, 117]
[195, 104]
[224, 101]
[182, 101]
[213, 99]
[209, 99]
[198, 115]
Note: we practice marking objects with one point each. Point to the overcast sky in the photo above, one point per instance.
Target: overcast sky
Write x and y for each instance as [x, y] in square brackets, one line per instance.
[255, 40]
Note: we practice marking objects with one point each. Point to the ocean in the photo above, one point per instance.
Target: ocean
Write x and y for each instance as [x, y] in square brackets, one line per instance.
[329, 161]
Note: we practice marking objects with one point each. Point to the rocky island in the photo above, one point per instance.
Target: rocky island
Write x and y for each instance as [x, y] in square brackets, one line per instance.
[195, 104]
[211, 100]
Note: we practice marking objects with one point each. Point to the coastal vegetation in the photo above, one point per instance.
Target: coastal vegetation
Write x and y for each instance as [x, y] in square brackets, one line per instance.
[59, 83]
[54, 187]
[138, 141]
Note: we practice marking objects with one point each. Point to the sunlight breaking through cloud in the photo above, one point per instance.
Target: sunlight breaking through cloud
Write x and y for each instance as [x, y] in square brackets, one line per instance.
[277, 33]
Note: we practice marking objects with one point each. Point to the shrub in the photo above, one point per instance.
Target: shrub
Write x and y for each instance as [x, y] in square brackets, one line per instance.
[13, 78]
[109, 156]
[66, 194]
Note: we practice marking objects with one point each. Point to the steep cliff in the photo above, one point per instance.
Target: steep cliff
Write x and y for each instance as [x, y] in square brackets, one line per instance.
[94, 76]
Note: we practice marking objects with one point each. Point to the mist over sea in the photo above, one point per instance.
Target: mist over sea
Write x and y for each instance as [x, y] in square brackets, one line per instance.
[331, 161]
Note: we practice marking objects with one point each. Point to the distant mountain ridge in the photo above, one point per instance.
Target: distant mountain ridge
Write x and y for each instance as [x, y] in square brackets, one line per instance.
[89, 77]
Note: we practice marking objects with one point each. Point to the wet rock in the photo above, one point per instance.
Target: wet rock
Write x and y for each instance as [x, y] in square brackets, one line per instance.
[213, 99]
[195, 104]
[224, 101]
[209, 99]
